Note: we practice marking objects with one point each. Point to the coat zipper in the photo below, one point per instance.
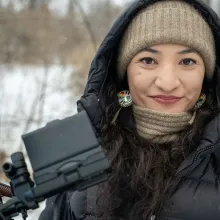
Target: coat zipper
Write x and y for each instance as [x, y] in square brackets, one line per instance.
[185, 171]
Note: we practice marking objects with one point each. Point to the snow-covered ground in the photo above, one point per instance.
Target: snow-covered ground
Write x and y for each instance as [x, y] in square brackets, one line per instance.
[32, 214]
[20, 87]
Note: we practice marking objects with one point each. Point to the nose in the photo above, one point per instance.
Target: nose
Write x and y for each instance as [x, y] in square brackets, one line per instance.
[167, 80]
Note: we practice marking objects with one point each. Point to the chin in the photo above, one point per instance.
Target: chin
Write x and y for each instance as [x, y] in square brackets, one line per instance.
[167, 109]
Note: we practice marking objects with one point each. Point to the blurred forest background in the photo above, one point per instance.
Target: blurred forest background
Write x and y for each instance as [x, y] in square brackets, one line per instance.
[46, 50]
[46, 47]
[45, 55]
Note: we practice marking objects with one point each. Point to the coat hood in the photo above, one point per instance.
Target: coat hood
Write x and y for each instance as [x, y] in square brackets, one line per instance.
[93, 100]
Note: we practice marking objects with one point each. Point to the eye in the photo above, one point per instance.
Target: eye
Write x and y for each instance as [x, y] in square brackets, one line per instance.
[148, 61]
[188, 62]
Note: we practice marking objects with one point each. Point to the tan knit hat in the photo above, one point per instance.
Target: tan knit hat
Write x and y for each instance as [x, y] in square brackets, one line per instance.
[167, 21]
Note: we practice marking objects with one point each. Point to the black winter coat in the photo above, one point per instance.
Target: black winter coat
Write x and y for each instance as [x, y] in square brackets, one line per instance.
[198, 177]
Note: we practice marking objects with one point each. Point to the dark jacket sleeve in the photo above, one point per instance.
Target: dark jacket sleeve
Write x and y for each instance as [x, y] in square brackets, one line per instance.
[77, 205]
[58, 208]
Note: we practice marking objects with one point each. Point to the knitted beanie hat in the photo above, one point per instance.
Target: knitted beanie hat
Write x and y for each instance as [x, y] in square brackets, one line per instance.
[167, 21]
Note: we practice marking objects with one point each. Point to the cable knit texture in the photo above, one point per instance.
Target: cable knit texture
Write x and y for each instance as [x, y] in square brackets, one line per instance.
[160, 127]
[173, 22]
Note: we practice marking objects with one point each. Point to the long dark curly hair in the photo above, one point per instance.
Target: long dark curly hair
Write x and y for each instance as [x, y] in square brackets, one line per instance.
[142, 171]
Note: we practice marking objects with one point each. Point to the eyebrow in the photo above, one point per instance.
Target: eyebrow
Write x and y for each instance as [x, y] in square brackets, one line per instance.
[189, 50]
[148, 49]
[186, 51]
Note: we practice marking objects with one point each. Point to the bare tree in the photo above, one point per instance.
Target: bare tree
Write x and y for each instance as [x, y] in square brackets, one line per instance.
[70, 7]
[32, 4]
[36, 36]
[87, 23]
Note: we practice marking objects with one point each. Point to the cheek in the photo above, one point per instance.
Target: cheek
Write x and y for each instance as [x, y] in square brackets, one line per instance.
[193, 91]
[136, 79]
[138, 86]
[134, 83]
[194, 85]
[134, 87]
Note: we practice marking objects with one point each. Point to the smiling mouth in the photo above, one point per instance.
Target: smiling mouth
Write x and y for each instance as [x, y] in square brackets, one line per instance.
[166, 99]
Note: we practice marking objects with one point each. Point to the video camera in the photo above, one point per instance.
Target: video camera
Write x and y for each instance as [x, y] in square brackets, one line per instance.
[65, 154]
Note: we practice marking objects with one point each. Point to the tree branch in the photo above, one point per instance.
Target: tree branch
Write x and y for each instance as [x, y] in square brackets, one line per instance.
[87, 23]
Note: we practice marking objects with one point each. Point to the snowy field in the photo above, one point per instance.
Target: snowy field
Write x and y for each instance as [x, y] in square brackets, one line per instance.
[33, 214]
[21, 100]
[20, 87]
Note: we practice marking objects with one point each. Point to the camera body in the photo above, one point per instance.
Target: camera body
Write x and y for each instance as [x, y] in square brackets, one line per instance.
[65, 154]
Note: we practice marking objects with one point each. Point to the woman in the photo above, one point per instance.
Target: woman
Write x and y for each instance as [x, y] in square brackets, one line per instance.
[153, 98]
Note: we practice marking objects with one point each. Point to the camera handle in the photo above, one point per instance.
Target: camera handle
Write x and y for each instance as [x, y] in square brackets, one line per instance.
[20, 182]
[74, 175]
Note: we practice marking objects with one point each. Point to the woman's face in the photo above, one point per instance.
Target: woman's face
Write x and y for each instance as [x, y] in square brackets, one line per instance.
[166, 78]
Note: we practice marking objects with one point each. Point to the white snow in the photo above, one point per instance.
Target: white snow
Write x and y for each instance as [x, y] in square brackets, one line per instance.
[19, 87]
[32, 214]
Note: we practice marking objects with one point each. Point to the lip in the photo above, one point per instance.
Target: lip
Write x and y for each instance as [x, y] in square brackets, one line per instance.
[166, 99]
